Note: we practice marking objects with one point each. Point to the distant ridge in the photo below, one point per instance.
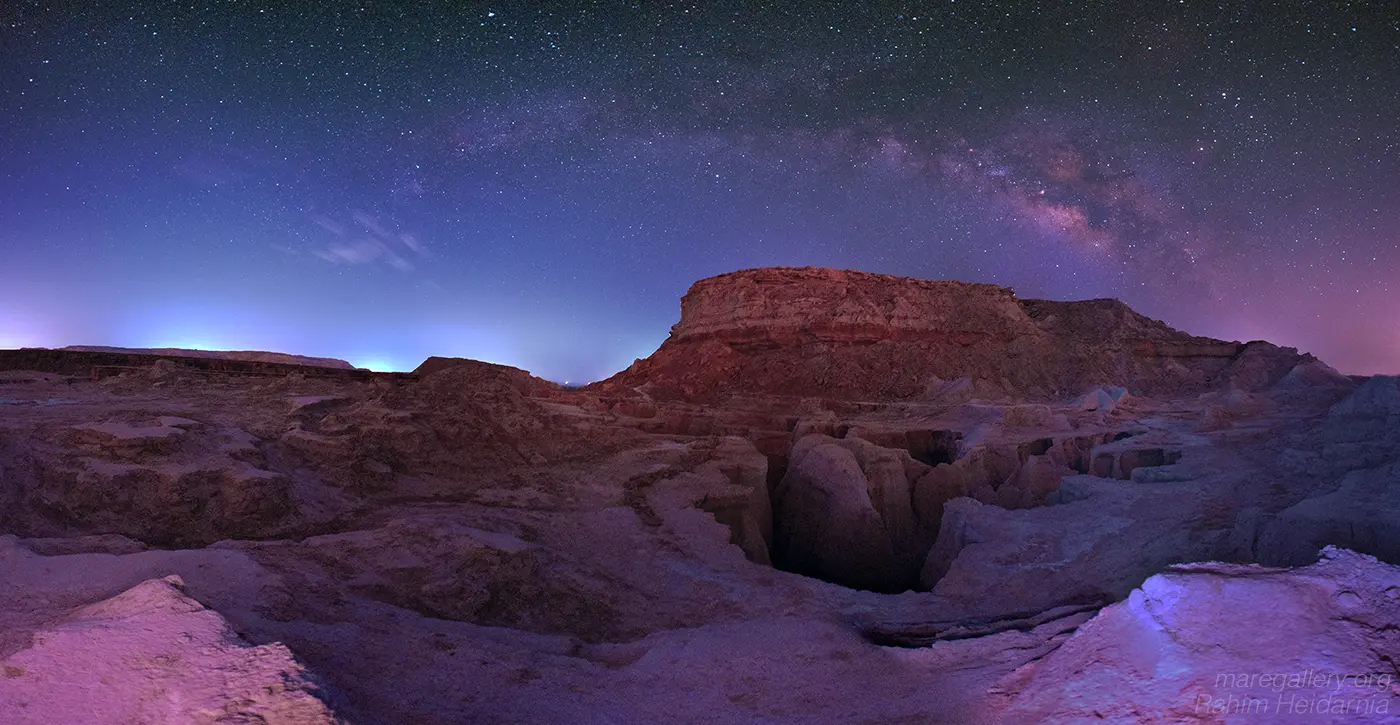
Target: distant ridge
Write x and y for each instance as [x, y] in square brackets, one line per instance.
[281, 358]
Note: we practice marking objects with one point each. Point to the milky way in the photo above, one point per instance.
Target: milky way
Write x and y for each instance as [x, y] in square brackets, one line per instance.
[537, 184]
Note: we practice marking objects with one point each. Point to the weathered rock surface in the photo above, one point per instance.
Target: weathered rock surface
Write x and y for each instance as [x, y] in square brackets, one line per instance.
[827, 522]
[1378, 397]
[153, 655]
[1363, 514]
[1036, 478]
[1105, 399]
[1101, 539]
[1229, 644]
[731, 484]
[163, 480]
[845, 334]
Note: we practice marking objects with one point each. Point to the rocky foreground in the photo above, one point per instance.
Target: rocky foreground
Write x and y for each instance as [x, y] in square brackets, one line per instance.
[829, 497]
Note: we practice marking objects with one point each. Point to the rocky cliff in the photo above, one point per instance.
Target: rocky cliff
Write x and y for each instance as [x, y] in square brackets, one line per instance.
[843, 334]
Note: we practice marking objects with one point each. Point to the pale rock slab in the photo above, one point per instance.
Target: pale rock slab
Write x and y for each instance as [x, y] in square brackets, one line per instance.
[1221, 643]
[153, 656]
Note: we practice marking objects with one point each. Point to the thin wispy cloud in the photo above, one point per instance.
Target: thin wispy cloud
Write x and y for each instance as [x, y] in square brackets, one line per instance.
[328, 224]
[369, 223]
[374, 242]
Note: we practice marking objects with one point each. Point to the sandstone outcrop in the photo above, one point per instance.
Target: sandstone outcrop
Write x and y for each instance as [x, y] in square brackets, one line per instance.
[1228, 643]
[1362, 514]
[154, 655]
[828, 518]
[844, 334]
[731, 484]
[167, 480]
[1100, 539]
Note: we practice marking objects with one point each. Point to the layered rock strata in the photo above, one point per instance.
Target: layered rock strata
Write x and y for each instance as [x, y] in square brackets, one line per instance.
[856, 335]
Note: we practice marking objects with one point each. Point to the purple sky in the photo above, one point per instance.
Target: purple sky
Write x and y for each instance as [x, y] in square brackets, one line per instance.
[537, 184]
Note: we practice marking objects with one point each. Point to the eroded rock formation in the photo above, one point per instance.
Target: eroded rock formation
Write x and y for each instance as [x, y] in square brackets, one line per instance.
[838, 333]
[1228, 643]
[829, 497]
[153, 655]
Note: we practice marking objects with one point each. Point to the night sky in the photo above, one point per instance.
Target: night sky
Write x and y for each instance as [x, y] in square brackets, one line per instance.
[537, 184]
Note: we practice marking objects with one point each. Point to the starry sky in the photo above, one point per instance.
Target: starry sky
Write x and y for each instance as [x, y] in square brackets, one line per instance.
[536, 184]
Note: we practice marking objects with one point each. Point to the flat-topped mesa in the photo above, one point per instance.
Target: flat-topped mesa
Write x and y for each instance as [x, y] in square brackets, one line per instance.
[788, 305]
[807, 331]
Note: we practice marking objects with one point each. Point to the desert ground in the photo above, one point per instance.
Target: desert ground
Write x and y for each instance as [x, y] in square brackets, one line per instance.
[829, 497]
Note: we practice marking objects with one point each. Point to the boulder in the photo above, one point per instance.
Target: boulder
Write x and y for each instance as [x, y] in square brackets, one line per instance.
[1103, 399]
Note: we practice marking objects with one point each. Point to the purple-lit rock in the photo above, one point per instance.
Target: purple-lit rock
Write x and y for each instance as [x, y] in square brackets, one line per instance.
[831, 497]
